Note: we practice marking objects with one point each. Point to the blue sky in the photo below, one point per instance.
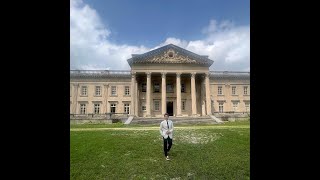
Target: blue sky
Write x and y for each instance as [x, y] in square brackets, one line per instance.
[103, 32]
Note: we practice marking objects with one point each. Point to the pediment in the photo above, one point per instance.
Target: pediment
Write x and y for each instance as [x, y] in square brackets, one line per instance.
[169, 54]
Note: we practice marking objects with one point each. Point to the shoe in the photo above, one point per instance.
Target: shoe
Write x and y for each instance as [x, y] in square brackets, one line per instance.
[167, 158]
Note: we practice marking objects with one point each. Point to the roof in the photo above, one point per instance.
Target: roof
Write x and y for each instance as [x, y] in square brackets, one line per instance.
[171, 54]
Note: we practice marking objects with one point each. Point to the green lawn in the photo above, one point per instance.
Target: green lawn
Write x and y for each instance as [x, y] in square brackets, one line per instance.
[206, 152]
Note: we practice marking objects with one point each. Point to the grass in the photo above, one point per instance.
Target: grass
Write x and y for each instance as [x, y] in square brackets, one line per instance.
[209, 153]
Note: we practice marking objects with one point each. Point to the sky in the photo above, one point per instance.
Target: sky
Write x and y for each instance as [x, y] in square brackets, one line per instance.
[104, 33]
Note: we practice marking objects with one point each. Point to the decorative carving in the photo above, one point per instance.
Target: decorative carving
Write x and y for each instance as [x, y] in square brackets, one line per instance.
[148, 74]
[193, 74]
[163, 74]
[178, 74]
[171, 56]
[133, 74]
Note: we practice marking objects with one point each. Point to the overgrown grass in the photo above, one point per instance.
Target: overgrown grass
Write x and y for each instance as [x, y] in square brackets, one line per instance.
[196, 154]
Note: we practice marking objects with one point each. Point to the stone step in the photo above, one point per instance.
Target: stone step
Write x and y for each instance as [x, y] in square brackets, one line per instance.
[175, 120]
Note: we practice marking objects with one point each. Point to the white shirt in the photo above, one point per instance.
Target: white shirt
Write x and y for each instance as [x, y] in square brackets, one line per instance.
[164, 128]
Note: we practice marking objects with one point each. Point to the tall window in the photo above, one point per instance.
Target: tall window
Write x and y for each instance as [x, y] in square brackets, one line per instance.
[156, 87]
[113, 107]
[183, 105]
[247, 104]
[183, 87]
[170, 88]
[83, 109]
[113, 90]
[245, 90]
[233, 90]
[220, 107]
[126, 108]
[157, 105]
[235, 106]
[98, 90]
[97, 108]
[143, 107]
[84, 91]
[143, 87]
[219, 90]
[127, 91]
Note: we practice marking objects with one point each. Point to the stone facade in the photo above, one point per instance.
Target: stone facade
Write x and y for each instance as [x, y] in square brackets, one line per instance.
[169, 79]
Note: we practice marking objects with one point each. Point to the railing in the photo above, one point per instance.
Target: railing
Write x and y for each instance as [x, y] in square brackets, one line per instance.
[99, 116]
[235, 73]
[124, 72]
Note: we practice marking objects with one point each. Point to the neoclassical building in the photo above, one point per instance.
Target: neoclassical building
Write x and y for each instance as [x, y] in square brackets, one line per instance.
[168, 79]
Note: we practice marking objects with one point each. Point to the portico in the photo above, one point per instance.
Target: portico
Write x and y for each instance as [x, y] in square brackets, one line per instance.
[169, 80]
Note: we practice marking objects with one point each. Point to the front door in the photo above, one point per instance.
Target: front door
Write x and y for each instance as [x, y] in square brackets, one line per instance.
[170, 108]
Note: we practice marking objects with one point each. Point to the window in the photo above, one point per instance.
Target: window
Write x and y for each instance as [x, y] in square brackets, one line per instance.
[220, 107]
[170, 87]
[247, 104]
[84, 91]
[113, 90]
[113, 107]
[98, 90]
[143, 107]
[83, 109]
[157, 105]
[127, 91]
[183, 87]
[126, 108]
[96, 108]
[156, 87]
[235, 106]
[143, 87]
[183, 105]
[219, 90]
[233, 90]
[245, 90]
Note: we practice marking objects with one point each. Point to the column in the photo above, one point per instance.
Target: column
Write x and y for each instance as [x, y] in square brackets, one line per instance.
[193, 94]
[105, 98]
[163, 94]
[133, 95]
[148, 105]
[178, 81]
[136, 91]
[75, 98]
[208, 95]
[203, 98]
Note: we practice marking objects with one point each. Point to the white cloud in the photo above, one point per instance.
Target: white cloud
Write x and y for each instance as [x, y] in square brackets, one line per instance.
[89, 45]
[228, 45]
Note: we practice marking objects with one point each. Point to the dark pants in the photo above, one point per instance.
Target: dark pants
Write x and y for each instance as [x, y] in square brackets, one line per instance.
[166, 147]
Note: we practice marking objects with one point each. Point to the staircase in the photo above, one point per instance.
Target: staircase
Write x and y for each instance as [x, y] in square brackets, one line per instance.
[176, 120]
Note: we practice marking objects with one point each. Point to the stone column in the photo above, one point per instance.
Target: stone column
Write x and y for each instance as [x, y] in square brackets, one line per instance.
[137, 93]
[193, 94]
[133, 95]
[208, 95]
[105, 98]
[148, 94]
[163, 93]
[203, 98]
[75, 98]
[178, 81]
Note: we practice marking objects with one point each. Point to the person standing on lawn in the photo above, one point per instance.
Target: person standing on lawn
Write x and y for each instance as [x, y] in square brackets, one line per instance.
[166, 131]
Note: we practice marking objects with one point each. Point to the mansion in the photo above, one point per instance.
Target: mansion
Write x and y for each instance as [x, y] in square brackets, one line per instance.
[168, 79]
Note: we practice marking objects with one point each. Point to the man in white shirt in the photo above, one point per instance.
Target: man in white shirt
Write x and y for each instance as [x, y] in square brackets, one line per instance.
[166, 131]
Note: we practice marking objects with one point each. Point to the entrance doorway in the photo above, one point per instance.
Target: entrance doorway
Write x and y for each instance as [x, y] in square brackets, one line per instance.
[170, 108]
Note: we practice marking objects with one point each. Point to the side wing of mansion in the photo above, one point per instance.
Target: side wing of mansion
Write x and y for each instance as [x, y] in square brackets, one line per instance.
[168, 79]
